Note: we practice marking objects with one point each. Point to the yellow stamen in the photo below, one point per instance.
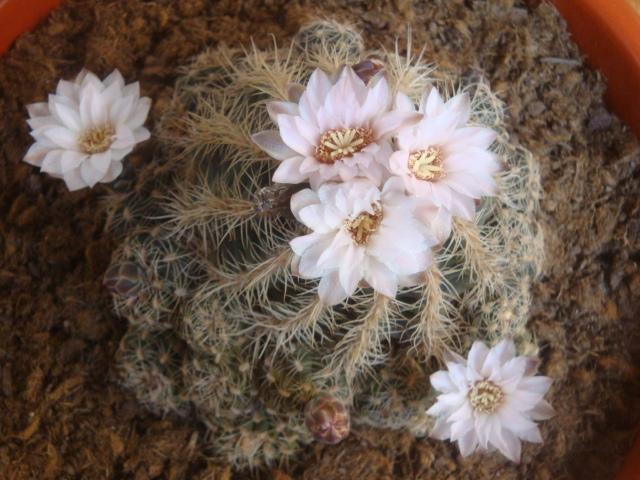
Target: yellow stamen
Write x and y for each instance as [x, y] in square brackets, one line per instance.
[337, 144]
[485, 396]
[361, 227]
[97, 140]
[427, 164]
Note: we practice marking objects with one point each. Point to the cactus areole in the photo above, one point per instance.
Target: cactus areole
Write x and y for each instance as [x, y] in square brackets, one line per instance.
[305, 244]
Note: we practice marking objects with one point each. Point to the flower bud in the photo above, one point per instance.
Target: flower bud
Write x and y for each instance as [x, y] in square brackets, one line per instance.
[369, 68]
[327, 419]
[123, 279]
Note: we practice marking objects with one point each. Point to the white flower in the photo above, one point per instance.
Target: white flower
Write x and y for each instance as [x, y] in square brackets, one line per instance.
[335, 132]
[491, 400]
[85, 130]
[443, 160]
[360, 232]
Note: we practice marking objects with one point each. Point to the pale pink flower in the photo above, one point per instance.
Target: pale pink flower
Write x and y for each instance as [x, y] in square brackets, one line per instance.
[443, 160]
[85, 130]
[360, 233]
[490, 401]
[336, 132]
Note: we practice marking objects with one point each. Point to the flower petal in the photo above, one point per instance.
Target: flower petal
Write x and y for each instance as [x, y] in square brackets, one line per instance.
[497, 356]
[480, 137]
[468, 443]
[71, 160]
[66, 115]
[350, 270]
[51, 162]
[97, 109]
[120, 110]
[313, 217]
[74, 180]
[537, 384]
[101, 161]
[309, 131]
[139, 113]
[275, 108]
[404, 103]
[382, 279]
[441, 430]
[295, 91]
[433, 106]
[292, 137]
[542, 411]
[330, 290]
[89, 174]
[289, 171]
[114, 78]
[477, 357]
[36, 153]
[442, 382]
[318, 87]
[460, 104]
[303, 199]
[271, 142]
[40, 109]
[124, 137]
[388, 124]
[141, 134]
[115, 169]
[63, 138]
[508, 444]
[300, 245]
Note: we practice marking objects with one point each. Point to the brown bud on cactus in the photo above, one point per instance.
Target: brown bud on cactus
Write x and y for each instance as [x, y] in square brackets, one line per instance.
[272, 199]
[369, 67]
[327, 419]
[123, 279]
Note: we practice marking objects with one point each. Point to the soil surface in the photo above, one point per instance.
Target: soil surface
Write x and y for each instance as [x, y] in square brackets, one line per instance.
[62, 412]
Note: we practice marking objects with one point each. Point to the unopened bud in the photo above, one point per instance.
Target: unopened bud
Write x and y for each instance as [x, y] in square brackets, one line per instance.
[369, 68]
[272, 199]
[327, 419]
[123, 279]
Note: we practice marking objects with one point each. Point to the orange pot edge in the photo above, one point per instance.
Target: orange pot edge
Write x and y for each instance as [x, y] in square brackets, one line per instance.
[631, 467]
[17, 16]
[608, 33]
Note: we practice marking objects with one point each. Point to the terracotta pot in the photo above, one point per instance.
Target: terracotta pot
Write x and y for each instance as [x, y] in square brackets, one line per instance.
[17, 16]
[631, 468]
[607, 31]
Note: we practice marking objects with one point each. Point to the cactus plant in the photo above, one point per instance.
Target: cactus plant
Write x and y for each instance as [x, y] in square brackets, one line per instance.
[203, 271]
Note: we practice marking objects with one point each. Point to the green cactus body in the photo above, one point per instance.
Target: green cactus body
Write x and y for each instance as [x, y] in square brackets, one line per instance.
[150, 363]
[209, 235]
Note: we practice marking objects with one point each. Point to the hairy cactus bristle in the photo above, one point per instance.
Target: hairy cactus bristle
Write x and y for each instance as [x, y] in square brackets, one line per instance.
[151, 364]
[329, 43]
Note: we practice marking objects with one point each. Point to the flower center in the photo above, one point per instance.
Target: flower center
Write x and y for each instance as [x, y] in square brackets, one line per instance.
[427, 164]
[97, 140]
[361, 227]
[337, 144]
[485, 397]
